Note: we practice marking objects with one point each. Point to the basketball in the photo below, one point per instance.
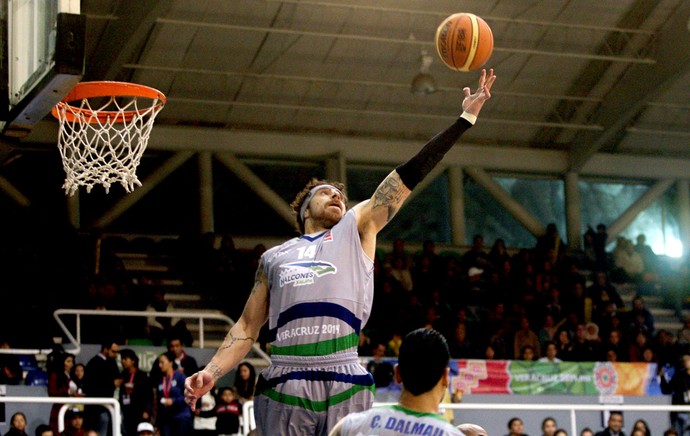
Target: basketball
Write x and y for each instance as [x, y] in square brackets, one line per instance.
[464, 41]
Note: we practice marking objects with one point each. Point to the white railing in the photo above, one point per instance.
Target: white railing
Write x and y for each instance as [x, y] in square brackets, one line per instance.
[247, 418]
[111, 404]
[200, 316]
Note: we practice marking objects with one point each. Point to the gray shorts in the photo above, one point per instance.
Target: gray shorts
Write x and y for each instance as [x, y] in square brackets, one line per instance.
[311, 398]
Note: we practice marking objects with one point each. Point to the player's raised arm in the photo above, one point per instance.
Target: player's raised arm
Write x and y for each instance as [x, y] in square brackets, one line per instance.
[236, 344]
[375, 213]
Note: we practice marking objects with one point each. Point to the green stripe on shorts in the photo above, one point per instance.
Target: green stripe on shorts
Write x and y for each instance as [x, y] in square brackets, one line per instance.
[315, 406]
[322, 348]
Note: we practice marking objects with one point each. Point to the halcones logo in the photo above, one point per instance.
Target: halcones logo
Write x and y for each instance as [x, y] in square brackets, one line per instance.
[304, 273]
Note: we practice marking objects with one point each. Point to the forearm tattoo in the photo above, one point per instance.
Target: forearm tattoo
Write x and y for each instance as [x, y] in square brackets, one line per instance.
[388, 194]
[214, 370]
[234, 339]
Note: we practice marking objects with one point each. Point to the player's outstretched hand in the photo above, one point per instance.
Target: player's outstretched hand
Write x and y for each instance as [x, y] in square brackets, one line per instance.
[195, 386]
[472, 103]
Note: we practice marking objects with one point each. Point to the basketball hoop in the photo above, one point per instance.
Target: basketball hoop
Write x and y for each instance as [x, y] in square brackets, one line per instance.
[104, 129]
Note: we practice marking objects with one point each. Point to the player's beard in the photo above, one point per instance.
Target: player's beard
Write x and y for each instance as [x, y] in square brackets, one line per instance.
[328, 219]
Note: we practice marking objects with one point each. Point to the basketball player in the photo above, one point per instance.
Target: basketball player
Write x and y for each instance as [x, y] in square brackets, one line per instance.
[423, 370]
[316, 292]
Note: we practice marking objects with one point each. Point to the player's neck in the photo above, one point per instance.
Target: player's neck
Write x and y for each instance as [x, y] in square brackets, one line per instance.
[310, 230]
[426, 403]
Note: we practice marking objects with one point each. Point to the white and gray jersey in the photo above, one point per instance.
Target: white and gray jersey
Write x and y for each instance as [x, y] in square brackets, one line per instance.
[321, 290]
[394, 421]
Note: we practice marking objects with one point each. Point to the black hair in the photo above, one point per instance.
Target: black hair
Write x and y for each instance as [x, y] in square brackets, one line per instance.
[127, 352]
[512, 420]
[42, 428]
[171, 357]
[545, 420]
[422, 360]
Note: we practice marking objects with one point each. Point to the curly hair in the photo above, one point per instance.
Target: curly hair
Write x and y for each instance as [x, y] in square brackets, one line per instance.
[296, 204]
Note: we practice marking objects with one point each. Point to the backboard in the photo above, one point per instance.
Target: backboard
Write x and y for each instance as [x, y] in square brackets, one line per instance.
[43, 58]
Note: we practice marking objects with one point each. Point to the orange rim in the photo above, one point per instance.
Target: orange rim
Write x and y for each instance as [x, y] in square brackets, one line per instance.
[85, 90]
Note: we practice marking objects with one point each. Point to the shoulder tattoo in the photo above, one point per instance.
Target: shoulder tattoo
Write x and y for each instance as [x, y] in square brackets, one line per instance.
[388, 194]
[259, 275]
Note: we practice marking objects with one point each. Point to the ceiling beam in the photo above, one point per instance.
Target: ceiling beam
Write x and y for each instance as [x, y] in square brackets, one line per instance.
[271, 145]
[124, 37]
[379, 39]
[639, 85]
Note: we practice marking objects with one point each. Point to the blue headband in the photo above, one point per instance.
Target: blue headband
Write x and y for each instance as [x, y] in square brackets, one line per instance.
[309, 196]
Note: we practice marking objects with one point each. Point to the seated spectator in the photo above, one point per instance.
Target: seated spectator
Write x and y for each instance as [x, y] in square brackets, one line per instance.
[381, 370]
[640, 316]
[550, 353]
[610, 355]
[516, 427]
[17, 425]
[614, 426]
[527, 353]
[228, 412]
[548, 426]
[563, 342]
[592, 333]
[145, 429]
[245, 382]
[77, 377]
[44, 430]
[489, 353]
[476, 256]
[612, 344]
[74, 423]
[640, 341]
[460, 344]
[649, 258]
[526, 336]
[548, 330]
[602, 292]
[642, 425]
[581, 349]
[628, 265]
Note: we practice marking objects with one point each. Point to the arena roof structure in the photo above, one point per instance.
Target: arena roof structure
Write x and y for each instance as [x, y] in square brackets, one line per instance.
[585, 87]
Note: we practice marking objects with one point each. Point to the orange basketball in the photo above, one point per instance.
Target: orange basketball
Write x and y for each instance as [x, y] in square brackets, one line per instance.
[464, 41]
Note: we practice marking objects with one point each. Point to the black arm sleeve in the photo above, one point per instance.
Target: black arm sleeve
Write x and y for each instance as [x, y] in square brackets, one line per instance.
[414, 170]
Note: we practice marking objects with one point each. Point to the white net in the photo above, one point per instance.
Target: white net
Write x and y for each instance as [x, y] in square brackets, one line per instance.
[104, 144]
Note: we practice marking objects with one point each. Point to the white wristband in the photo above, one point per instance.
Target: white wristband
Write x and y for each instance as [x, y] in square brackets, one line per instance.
[469, 117]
